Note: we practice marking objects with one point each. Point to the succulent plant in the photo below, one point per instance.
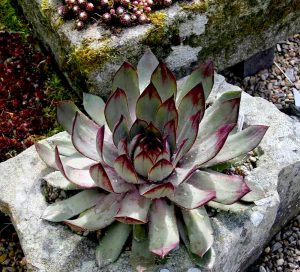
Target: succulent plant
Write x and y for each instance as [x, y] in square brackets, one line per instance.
[118, 12]
[144, 162]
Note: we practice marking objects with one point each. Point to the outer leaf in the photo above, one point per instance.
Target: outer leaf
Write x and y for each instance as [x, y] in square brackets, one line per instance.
[234, 208]
[192, 103]
[163, 230]
[107, 179]
[65, 209]
[148, 104]
[199, 230]
[204, 151]
[125, 169]
[156, 190]
[106, 149]
[84, 136]
[112, 243]
[47, 154]
[99, 217]
[121, 131]
[56, 179]
[224, 111]
[204, 74]
[115, 107]
[143, 164]
[140, 257]
[65, 147]
[207, 261]
[66, 111]
[239, 144]
[126, 79]
[165, 113]
[164, 82]
[94, 106]
[146, 67]
[160, 170]
[190, 197]
[80, 177]
[255, 194]
[134, 209]
[229, 189]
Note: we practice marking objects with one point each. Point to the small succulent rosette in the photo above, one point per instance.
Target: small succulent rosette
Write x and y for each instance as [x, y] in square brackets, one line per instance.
[143, 161]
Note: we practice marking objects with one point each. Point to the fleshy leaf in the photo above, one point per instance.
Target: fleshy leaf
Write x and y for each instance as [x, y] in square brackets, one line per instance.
[199, 230]
[125, 169]
[121, 131]
[140, 257]
[65, 147]
[204, 74]
[165, 113]
[100, 216]
[190, 197]
[47, 154]
[207, 261]
[255, 194]
[229, 188]
[57, 179]
[143, 163]
[126, 79]
[202, 152]
[107, 179]
[160, 170]
[112, 243]
[240, 143]
[148, 104]
[224, 111]
[84, 136]
[192, 103]
[134, 209]
[156, 190]
[164, 82]
[65, 209]
[163, 232]
[65, 113]
[115, 107]
[234, 208]
[187, 136]
[145, 68]
[80, 177]
[94, 106]
[169, 133]
[139, 126]
[123, 147]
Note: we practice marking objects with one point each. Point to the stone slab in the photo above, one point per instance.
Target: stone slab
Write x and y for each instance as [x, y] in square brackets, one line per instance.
[227, 31]
[239, 239]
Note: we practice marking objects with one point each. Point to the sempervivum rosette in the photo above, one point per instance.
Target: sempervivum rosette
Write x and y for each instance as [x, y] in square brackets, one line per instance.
[143, 161]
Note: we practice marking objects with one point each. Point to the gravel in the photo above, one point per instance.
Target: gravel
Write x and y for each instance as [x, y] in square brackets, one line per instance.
[276, 83]
[283, 252]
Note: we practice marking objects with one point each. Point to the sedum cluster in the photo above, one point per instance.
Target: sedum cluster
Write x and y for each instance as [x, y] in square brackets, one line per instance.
[143, 162]
[115, 12]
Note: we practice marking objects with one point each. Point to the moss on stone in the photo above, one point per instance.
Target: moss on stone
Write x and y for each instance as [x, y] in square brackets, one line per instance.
[87, 58]
[235, 20]
[199, 6]
[9, 19]
[45, 7]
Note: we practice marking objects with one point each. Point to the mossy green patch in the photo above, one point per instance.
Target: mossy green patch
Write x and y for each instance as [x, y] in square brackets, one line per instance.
[56, 91]
[87, 58]
[198, 6]
[45, 7]
[9, 19]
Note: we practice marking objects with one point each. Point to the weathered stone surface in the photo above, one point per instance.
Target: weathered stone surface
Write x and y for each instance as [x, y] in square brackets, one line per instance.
[238, 238]
[227, 31]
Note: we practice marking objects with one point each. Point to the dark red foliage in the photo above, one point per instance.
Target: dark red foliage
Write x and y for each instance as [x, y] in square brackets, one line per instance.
[23, 71]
